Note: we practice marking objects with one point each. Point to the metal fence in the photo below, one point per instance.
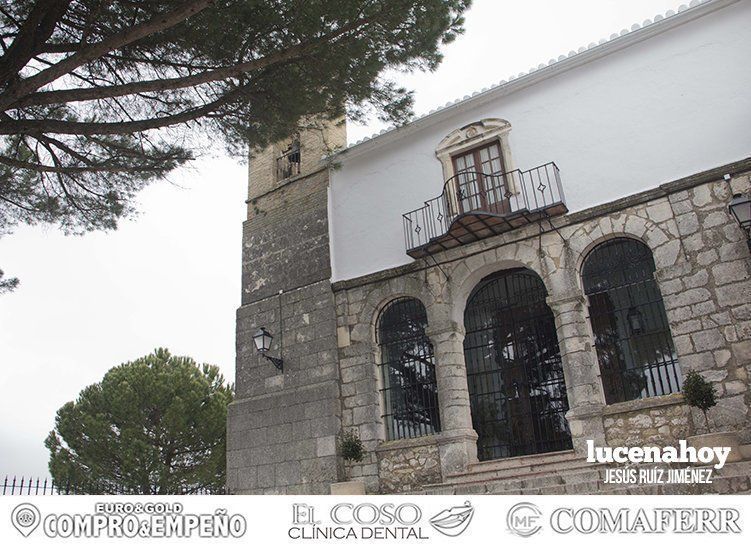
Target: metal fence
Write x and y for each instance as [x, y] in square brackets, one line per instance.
[13, 485]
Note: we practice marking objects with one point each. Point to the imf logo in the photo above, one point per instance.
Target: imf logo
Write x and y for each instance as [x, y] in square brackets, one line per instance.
[524, 519]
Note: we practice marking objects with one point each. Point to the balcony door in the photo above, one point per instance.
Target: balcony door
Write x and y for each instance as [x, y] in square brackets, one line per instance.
[480, 180]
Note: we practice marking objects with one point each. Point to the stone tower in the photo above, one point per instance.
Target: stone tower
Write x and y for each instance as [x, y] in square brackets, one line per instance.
[282, 427]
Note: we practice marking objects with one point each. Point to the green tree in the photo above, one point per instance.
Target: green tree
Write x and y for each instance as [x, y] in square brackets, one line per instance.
[100, 97]
[699, 393]
[156, 425]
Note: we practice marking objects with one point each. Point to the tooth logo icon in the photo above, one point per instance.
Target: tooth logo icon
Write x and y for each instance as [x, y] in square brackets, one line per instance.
[25, 518]
[454, 521]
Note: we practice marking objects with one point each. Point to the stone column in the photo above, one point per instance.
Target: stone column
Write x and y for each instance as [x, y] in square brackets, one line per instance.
[457, 441]
[581, 370]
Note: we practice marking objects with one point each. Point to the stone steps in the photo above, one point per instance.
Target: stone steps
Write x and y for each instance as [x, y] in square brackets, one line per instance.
[520, 467]
[525, 460]
[732, 478]
[525, 469]
[523, 484]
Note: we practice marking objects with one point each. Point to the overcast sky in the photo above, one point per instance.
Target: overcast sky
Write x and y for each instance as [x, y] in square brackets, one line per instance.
[171, 277]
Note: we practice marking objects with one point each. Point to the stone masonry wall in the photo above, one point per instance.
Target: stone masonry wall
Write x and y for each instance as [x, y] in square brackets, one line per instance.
[285, 239]
[282, 428]
[408, 469]
[708, 298]
[661, 421]
[703, 271]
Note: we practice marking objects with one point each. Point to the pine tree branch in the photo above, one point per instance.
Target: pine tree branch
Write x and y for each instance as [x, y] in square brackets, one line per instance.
[39, 167]
[96, 50]
[165, 84]
[36, 29]
[54, 126]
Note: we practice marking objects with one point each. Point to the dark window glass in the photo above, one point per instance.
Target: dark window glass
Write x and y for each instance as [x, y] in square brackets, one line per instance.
[410, 395]
[517, 392]
[634, 346]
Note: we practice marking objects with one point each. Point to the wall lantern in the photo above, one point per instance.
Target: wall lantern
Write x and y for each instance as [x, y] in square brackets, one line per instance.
[740, 209]
[262, 340]
[635, 320]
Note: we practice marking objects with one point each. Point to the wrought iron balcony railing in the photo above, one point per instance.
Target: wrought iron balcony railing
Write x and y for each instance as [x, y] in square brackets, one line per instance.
[475, 205]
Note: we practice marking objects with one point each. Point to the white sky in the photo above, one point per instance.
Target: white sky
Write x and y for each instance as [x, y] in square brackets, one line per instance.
[171, 277]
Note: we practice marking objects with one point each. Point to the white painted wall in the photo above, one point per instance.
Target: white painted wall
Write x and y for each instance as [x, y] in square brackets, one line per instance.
[667, 107]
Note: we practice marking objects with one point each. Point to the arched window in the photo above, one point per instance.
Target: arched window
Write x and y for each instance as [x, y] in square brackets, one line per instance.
[410, 395]
[634, 346]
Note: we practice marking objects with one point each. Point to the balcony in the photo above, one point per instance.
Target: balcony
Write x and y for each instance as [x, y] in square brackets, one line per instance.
[476, 205]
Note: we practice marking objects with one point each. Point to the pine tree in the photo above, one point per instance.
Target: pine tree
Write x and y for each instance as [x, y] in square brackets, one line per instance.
[99, 98]
[155, 425]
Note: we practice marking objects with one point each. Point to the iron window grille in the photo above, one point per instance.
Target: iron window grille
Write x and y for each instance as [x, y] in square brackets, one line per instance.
[410, 393]
[288, 164]
[632, 337]
[515, 377]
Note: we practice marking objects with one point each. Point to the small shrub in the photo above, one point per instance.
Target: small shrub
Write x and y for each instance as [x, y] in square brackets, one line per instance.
[351, 447]
[699, 393]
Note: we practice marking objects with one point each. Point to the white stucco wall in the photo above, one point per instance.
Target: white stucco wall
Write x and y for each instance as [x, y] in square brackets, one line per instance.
[666, 107]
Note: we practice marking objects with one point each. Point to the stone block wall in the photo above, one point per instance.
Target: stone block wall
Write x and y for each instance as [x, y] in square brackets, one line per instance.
[285, 239]
[708, 298]
[283, 426]
[408, 468]
[361, 405]
[659, 421]
[704, 273]
[284, 443]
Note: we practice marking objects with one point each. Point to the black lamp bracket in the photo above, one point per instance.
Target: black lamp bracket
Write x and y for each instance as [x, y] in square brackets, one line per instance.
[278, 363]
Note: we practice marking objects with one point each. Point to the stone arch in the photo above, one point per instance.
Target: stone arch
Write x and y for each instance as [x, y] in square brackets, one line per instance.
[406, 370]
[465, 277]
[363, 333]
[379, 298]
[581, 242]
[582, 257]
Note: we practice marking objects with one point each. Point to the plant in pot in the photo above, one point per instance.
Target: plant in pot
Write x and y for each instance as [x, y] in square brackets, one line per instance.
[701, 394]
[351, 450]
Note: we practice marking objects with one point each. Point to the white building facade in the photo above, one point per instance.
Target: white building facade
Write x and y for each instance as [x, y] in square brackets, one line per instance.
[501, 280]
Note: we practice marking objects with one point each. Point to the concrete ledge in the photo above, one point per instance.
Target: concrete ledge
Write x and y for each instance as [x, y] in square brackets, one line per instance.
[585, 411]
[449, 437]
[714, 440]
[637, 405]
[407, 443]
[355, 487]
